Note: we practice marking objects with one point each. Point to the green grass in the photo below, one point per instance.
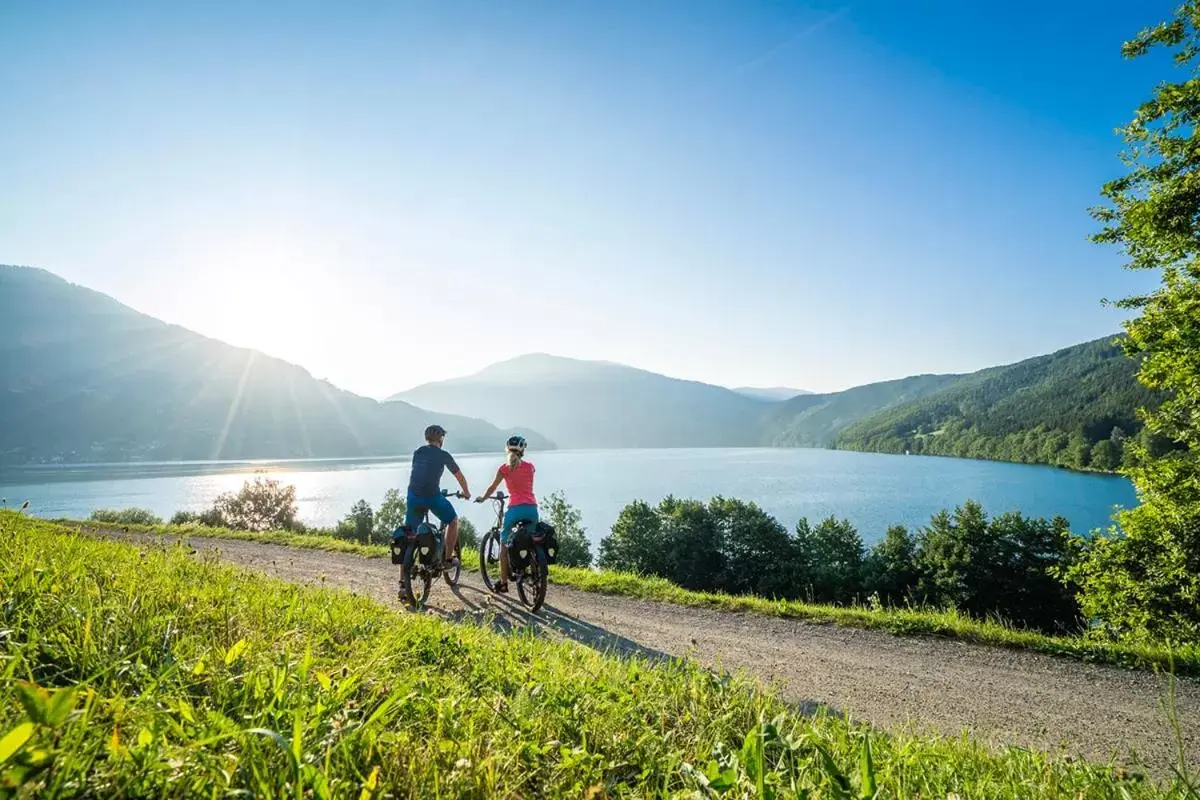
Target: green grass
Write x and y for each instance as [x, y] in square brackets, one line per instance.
[132, 672]
[307, 541]
[1182, 659]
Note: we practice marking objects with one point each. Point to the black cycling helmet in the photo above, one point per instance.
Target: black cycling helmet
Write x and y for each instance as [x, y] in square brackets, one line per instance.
[515, 442]
[434, 431]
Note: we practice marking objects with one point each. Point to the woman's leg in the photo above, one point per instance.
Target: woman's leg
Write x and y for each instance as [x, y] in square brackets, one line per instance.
[505, 538]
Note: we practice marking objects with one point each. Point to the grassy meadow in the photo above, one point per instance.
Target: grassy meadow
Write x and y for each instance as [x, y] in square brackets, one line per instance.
[144, 672]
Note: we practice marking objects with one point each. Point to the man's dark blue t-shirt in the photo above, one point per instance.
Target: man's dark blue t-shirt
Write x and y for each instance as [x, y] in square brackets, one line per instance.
[428, 462]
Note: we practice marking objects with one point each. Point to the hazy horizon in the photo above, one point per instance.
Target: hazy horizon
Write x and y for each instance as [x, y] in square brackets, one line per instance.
[820, 196]
[737, 389]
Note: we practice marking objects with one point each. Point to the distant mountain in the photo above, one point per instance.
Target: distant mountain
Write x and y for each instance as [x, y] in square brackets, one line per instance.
[588, 404]
[86, 378]
[771, 393]
[1075, 407]
[1080, 394]
[814, 420]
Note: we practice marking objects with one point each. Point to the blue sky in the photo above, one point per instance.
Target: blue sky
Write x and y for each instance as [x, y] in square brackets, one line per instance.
[811, 194]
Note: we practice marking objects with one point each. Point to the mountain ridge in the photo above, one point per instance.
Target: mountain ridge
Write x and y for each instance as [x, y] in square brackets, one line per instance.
[597, 404]
[771, 393]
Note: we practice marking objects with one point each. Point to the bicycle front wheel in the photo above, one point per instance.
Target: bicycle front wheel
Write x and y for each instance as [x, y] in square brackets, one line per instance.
[489, 558]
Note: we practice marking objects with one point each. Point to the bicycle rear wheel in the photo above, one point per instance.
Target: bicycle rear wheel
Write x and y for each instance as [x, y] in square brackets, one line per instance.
[413, 579]
[532, 588]
[489, 558]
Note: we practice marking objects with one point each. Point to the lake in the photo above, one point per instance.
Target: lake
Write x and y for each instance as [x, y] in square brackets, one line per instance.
[873, 491]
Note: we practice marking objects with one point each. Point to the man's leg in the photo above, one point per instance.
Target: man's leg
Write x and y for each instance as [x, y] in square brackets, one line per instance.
[444, 511]
[451, 539]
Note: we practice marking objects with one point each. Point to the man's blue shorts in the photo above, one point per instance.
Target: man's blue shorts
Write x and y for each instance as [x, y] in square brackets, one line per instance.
[439, 506]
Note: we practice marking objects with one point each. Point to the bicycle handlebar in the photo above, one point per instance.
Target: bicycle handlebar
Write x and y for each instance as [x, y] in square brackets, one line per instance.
[448, 493]
[497, 497]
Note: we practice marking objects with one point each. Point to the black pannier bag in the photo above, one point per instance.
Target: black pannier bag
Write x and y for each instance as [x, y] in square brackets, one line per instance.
[427, 547]
[399, 542]
[425, 542]
[520, 549]
[549, 541]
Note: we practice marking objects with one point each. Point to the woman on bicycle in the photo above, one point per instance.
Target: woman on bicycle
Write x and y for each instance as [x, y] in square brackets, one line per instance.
[517, 474]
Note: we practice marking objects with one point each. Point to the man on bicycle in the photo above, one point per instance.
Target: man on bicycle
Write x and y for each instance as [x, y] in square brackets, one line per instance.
[425, 486]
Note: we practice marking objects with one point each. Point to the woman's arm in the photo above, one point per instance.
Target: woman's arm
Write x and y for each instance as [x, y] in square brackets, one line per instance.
[495, 483]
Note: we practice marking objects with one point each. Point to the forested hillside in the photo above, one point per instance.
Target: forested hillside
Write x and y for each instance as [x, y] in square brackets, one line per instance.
[1076, 407]
[814, 420]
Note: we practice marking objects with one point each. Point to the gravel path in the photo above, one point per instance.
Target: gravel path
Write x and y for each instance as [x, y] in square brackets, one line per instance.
[926, 684]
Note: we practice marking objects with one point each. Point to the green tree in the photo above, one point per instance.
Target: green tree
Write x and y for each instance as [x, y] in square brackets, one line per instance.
[1144, 581]
[889, 570]
[1106, 455]
[1053, 444]
[390, 515]
[693, 554]
[836, 561]
[952, 559]
[1027, 557]
[358, 524]
[636, 542]
[574, 550]
[1007, 566]
[679, 540]
[755, 549]
[260, 505]
[468, 535]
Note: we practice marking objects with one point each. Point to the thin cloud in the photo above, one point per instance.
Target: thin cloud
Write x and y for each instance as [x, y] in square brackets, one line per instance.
[790, 41]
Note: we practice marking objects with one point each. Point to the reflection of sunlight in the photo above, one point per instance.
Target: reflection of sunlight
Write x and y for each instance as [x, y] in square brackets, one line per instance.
[328, 394]
[234, 404]
[302, 423]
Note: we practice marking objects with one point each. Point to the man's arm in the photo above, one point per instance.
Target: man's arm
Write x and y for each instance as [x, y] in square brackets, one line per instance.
[452, 465]
[462, 482]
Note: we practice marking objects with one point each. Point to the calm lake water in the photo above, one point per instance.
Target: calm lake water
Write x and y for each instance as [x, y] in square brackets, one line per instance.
[872, 491]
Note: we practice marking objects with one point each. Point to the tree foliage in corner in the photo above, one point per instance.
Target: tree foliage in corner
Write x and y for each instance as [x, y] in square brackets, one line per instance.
[1144, 582]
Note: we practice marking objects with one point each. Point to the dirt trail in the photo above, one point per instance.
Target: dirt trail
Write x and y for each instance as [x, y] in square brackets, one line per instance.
[1003, 697]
